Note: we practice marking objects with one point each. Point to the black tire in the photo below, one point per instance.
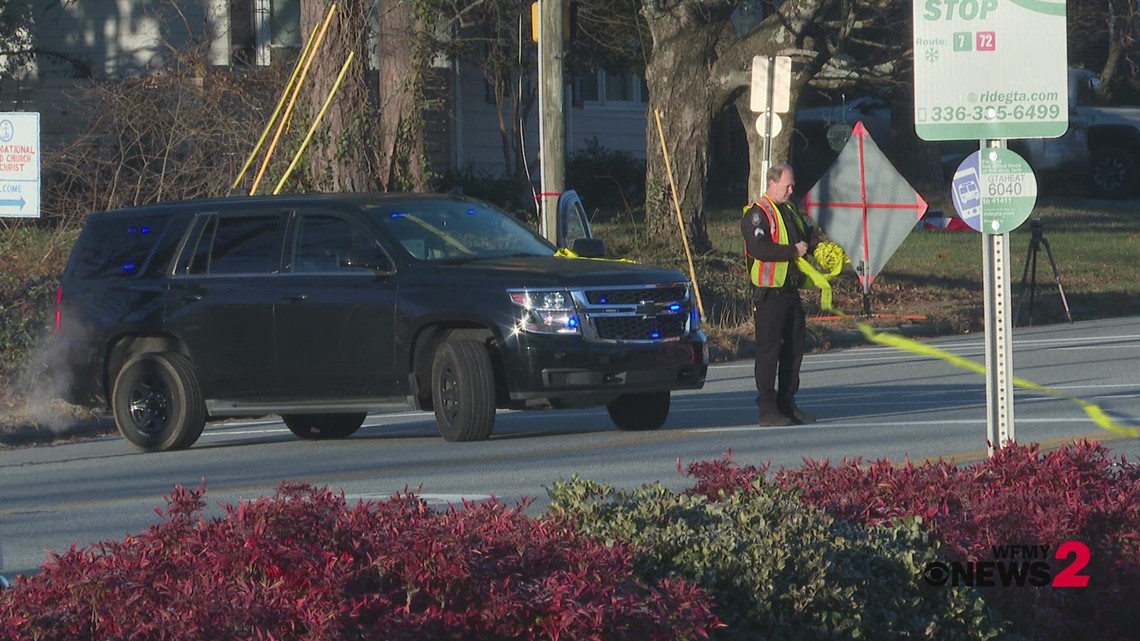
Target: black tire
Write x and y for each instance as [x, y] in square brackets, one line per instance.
[316, 427]
[1113, 172]
[639, 412]
[157, 402]
[463, 391]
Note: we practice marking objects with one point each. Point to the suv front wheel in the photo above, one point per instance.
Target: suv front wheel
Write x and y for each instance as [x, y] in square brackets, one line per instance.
[463, 391]
[157, 402]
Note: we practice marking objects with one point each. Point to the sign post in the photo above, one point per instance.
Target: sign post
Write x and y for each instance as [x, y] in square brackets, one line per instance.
[990, 70]
[770, 95]
[20, 164]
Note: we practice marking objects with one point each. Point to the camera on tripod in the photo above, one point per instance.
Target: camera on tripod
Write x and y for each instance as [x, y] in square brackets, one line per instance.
[1035, 243]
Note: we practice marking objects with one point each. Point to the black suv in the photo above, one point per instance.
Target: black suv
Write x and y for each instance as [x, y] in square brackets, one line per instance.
[322, 307]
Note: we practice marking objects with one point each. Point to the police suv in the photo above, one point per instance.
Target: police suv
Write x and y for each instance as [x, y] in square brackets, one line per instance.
[321, 308]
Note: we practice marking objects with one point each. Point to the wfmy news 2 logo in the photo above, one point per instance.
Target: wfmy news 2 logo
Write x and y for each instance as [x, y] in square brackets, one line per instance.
[1016, 566]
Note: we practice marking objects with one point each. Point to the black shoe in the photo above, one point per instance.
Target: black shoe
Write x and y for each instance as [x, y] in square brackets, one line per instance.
[773, 418]
[796, 415]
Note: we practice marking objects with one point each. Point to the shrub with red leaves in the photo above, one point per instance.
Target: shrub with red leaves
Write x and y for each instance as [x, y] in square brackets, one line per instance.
[304, 565]
[722, 475]
[1017, 497]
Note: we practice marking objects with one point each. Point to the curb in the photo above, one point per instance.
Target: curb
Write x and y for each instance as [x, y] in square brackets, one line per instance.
[821, 339]
[854, 337]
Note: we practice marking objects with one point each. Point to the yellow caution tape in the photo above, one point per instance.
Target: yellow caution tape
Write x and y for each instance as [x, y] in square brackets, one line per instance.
[567, 253]
[831, 259]
[827, 260]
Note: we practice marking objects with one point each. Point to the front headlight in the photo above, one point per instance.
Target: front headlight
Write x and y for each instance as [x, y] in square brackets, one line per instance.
[545, 311]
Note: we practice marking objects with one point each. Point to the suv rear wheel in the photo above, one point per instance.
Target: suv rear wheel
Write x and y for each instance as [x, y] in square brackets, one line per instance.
[463, 391]
[157, 402]
[1113, 172]
[639, 412]
[316, 427]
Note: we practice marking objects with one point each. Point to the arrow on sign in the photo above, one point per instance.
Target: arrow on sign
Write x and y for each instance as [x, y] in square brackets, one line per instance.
[14, 203]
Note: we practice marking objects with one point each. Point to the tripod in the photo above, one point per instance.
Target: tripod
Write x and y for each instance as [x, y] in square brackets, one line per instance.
[1031, 259]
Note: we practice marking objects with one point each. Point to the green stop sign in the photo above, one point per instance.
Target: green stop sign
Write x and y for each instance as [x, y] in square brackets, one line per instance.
[987, 69]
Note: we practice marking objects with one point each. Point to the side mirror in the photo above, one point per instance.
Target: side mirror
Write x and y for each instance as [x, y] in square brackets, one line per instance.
[589, 247]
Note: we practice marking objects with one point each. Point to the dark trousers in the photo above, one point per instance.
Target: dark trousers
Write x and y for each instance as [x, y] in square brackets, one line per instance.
[780, 326]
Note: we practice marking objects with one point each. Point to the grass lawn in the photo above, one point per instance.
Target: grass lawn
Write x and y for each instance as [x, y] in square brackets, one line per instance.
[935, 276]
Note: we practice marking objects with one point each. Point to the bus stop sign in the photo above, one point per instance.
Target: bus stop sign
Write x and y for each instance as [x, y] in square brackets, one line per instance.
[989, 69]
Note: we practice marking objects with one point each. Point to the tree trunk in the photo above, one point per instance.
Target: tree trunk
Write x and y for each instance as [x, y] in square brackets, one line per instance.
[1121, 38]
[678, 79]
[340, 157]
[400, 137]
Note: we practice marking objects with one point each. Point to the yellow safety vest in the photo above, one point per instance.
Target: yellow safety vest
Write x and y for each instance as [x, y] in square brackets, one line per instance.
[772, 273]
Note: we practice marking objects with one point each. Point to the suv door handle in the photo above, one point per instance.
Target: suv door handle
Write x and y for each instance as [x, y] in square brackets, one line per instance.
[296, 297]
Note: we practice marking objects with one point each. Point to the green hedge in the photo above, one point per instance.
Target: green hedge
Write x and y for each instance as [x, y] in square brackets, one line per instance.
[779, 569]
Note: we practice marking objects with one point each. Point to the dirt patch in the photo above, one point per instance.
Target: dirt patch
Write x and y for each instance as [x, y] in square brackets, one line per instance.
[52, 422]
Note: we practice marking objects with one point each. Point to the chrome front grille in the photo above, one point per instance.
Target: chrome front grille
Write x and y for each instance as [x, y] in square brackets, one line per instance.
[636, 313]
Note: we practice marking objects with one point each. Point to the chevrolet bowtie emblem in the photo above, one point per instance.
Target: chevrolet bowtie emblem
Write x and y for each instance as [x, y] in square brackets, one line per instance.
[648, 308]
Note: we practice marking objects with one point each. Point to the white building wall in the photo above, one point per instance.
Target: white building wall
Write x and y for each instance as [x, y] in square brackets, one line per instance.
[478, 146]
[619, 128]
[103, 38]
[100, 38]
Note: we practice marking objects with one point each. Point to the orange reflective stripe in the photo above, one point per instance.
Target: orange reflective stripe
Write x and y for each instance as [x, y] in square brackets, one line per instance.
[771, 273]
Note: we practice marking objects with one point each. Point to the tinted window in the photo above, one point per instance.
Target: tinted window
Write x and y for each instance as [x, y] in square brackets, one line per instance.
[453, 230]
[239, 245]
[116, 248]
[324, 243]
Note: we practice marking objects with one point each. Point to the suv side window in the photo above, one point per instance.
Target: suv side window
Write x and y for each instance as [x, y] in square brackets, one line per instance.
[323, 243]
[117, 248]
[239, 245]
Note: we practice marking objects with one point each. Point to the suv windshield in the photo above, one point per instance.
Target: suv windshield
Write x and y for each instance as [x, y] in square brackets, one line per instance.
[456, 231]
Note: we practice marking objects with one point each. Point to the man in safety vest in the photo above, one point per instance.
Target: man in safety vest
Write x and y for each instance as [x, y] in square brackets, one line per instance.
[775, 235]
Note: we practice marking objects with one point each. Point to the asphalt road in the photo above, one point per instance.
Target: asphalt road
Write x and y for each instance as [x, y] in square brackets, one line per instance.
[873, 402]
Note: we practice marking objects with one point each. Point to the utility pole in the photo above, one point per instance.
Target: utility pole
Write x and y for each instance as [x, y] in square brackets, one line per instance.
[551, 127]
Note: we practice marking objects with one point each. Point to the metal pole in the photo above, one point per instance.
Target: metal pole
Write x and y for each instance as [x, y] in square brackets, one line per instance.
[262, 17]
[551, 127]
[770, 90]
[999, 346]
